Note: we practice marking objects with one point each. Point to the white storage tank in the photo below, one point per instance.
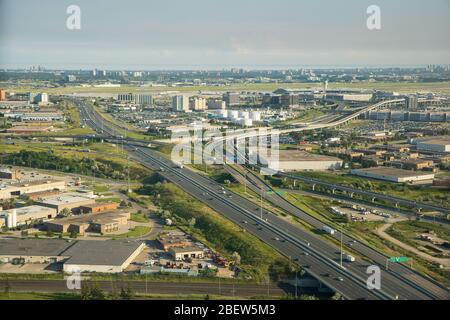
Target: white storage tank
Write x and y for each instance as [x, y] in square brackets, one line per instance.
[246, 122]
[255, 115]
[223, 113]
[244, 114]
[14, 218]
[233, 114]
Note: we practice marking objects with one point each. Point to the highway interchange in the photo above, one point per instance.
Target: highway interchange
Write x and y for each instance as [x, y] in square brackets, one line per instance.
[317, 256]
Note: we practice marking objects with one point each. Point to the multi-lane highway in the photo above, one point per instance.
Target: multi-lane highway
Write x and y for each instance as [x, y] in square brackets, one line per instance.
[152, 287]
[408, 275]
[318, 257]
[373, 195]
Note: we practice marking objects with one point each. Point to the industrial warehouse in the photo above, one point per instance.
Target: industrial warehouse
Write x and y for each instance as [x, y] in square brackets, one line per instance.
[17, 189]
[395, 175]
[294, 160]
[441, 145]
[109, 256]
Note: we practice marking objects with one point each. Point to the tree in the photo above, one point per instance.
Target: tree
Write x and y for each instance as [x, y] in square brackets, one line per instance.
[66, 212]
[236, 257]
[192, 222]
[337, 296]
[126, 294]
[85, 291]
[96, 293]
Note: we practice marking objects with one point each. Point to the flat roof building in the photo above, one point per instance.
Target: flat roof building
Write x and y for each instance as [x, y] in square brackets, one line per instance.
[65, 201]
[441, 144]
[109, 256]
[30, 214]
[293, 160]
[182, 253]
[33, 250]
[97, 207]
[102, 256]
[105, 222]
[17, 189]
[394, 175]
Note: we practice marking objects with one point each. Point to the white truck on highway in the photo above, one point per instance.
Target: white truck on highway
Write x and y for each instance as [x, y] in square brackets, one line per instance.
[349, 258]
[328, 230]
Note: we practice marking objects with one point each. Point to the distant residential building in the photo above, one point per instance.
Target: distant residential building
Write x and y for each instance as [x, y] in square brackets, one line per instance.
[231, 98]
[71, 78]
[180, 103]
[289, 100]
[197, 104]
[141, 99]
[2, 95]
[217, 104]
[411, 102]
[39, 98]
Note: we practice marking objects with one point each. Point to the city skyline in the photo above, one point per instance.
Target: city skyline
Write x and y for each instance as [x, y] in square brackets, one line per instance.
[217, 35]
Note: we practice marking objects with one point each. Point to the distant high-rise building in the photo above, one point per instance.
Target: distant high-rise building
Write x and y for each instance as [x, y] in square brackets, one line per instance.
[2, 95]
[142, 99]
[217, 104]
[71, 78]
[38, 98]
[289, 100]
[411, 102]
[180, 103]
[232, 98]
[197, 104]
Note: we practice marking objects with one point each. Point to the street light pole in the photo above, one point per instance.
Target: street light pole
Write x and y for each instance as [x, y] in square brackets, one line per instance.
[261, 208]
[342, 229]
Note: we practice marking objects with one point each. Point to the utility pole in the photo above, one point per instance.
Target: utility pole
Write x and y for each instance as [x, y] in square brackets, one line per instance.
[342, 229]
[261, 204]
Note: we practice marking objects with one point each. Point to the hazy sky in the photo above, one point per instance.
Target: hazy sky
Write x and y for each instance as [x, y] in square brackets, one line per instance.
[156, 34]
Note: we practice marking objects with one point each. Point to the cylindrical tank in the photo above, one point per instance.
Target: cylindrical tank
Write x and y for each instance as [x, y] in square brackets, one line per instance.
[9, 220]
[255, 115]
[243, 114]
[14, 218]
[223, 113]
[233, 114]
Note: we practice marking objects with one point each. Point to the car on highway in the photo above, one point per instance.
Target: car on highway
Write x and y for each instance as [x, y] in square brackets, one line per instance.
[276, 239]
[340, 279]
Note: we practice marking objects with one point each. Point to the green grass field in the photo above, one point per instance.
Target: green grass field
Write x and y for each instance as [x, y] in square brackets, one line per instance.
[416, 193]
[136, 232]
[136, 217]
[402, 87]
